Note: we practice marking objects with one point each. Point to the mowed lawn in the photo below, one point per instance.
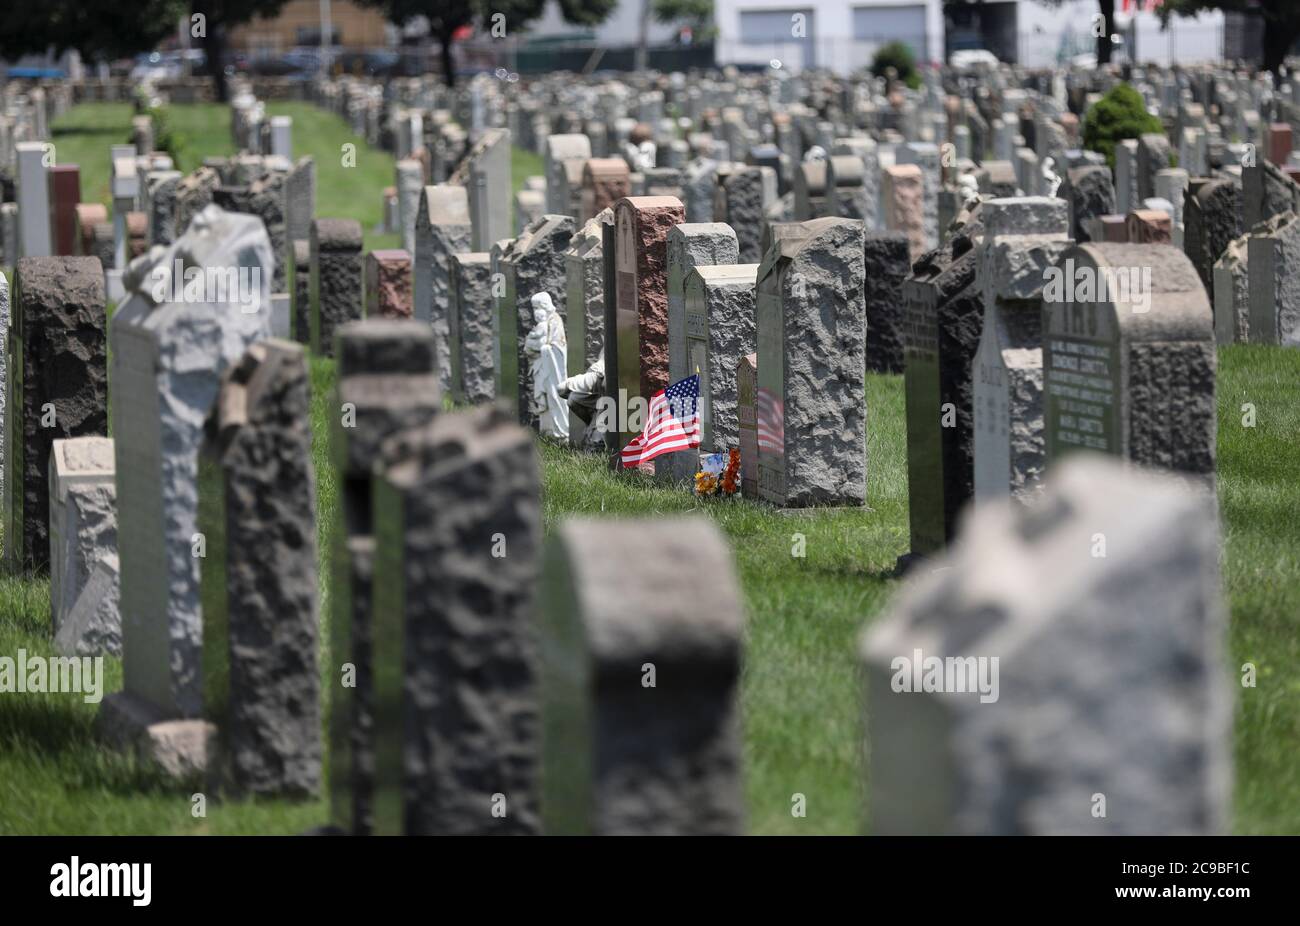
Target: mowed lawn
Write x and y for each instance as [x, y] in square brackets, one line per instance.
[801, 695]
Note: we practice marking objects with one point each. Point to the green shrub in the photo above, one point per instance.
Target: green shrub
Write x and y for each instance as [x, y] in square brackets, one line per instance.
[1120, 114]
[898, 56]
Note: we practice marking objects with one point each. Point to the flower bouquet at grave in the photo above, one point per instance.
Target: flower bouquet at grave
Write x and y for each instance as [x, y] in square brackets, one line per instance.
[719, 474]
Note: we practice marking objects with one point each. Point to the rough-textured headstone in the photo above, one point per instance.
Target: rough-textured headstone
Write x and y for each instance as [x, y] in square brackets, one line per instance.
[442, 228]
[691, 246]
[193, 193]
[620, 757]
[945, 320]
[388, 284]
[167, 359]
[604, 182]
[698, 181]
[257, 511]
[1144, 717]
[811, 360]
[719, 327]
[641, 299]
[1212, 220]
[1090, 194]
[747, 422]
[533, 263]
[1023, 239]
[83, 530]
[1131, 372]
[1152, 157]
[163, 185]
[745, 194]
[1149, 226]
[902, 192]
[335, 280]
[1232, 293]
[457, 520]
[1274, 280]
[469, 330]
[93, 626]
[302, 291]
[887, 262]
[1126, 180]
[57, 387]
[386, 379]
[926, 156]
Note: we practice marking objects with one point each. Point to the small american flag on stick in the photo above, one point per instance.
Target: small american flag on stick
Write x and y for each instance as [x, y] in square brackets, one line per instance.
[673, 423]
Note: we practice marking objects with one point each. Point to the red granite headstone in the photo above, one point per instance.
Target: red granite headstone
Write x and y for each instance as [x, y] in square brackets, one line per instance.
[1149, 226]
[1114, 228]
[1279, 142]
[64, 184]
[88, 215]
[604, 182]
[388, 284]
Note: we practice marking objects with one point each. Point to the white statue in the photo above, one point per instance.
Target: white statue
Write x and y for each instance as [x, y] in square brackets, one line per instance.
[1051, 180]
[547, 352]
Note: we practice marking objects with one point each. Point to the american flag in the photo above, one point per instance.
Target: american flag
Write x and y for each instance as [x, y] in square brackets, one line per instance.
[673, 423]
[769, 412]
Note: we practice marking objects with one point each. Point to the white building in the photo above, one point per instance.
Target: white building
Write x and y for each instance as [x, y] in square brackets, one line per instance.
[841, 35]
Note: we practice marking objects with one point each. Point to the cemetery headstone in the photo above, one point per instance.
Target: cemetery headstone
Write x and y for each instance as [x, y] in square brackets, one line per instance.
[335, 280]
[56, 388]
[388, 284]
[1019, 747]
[811, 361]
[1131, 371]
[457, 522]
[619, 756]
[386, 383]
[259, 587]
[470, 318]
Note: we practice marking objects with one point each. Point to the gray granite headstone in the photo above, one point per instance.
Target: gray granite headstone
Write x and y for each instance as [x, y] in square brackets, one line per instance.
[887, 262]
[1274, 274]
[336, 296]
[1023, 239]
[811, 359]
[57, 388]
[386, 383]
[470, 321]
[442, 228]
[640, 651]
[719, 328]
[1131, 373]
[257, 510]
[458, 526]
[1108, 709]
[167, 359]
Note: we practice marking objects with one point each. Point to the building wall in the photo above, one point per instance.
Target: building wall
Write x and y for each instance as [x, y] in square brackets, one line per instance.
[356, 27]
[841, 35]
[621, 28]
[1044, 32]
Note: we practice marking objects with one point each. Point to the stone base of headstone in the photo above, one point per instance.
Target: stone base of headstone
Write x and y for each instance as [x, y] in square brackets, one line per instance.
[178, 748]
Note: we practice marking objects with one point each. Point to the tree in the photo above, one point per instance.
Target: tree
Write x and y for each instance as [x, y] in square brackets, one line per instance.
[97, 29]
[1281, 23]
[698, 14]
[498, 17]
[1120, 114]
[1106, 10]
[216, 17]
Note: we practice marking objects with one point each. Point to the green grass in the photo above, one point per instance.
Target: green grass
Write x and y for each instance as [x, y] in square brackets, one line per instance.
[800, 691]
[83, 135]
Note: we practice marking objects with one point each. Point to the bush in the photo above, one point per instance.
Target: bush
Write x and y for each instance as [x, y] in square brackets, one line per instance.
[165, 136]
[1120, 114]
[898, 56]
